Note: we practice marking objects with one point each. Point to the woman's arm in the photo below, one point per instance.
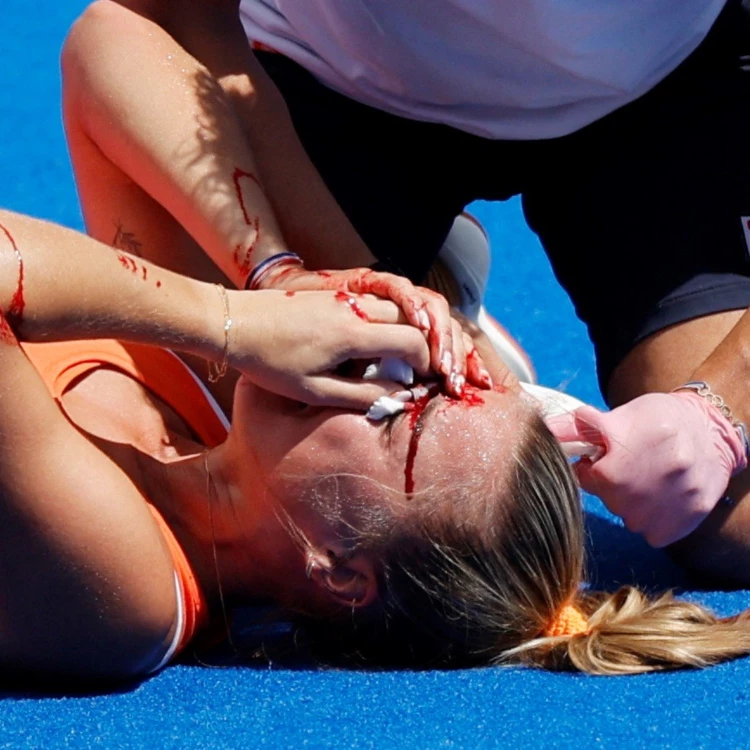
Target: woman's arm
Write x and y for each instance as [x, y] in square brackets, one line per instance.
[87, 585]
[87, 588]
[166, 108]
[720, 547]
[667, 458]
[172, 95]
[56, 284]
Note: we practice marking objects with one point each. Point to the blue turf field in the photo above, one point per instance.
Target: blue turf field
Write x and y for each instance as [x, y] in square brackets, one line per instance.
[202, 708]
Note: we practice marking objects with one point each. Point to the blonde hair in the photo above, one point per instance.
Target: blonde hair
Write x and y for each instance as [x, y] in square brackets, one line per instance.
[455, 593]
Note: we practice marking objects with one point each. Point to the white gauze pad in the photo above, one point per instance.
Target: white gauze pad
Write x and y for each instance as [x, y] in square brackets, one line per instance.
[390, 369]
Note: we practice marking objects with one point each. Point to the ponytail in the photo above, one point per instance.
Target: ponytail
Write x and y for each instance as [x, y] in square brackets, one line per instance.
[502, 585]
[629, 633]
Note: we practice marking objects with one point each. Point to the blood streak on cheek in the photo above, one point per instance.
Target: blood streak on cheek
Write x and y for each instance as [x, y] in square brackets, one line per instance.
[356, 309]
[17, 302]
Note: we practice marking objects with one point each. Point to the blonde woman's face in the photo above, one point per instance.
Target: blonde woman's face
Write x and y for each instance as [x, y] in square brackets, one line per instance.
[440, 443]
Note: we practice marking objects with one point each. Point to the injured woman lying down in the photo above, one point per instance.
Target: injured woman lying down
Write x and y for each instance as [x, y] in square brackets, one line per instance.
[134, 517]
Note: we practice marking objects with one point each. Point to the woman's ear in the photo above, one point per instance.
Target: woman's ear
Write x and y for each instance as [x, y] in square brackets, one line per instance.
[349, 581]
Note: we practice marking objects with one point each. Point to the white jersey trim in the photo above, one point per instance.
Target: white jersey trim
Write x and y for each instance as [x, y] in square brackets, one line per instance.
[180, 621]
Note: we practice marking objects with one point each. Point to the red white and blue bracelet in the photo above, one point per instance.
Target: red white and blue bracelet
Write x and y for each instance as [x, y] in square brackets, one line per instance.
[265, 266]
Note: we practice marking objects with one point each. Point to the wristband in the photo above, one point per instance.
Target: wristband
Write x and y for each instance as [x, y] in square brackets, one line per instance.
[704, 389]
[261, 270]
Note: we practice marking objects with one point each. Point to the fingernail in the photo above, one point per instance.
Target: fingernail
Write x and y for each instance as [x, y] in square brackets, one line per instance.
[446, 363]
[459, 384]
[424, 319]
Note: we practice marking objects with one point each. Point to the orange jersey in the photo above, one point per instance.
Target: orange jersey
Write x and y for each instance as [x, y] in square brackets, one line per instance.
[166, 376]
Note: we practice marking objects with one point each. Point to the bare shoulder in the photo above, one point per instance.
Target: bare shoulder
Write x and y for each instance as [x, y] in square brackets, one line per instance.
[89, 589]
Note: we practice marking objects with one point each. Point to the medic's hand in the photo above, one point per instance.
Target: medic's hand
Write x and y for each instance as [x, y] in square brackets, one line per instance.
[452, 353]
[667, 460]
[292, 343]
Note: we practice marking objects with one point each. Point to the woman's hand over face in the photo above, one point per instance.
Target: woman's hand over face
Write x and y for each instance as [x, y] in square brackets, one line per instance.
[294, 343]
[451, 352]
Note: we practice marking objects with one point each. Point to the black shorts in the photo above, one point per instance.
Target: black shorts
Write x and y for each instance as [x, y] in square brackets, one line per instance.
[645, 214]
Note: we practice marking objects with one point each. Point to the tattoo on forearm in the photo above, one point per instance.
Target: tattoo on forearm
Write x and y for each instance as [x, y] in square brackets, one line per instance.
[242, 254]
[126, 240]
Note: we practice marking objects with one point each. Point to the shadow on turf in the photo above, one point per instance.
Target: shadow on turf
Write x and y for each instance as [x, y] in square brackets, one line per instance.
[616, 558]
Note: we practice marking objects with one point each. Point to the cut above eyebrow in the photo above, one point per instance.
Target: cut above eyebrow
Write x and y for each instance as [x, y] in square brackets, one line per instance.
[432, 404]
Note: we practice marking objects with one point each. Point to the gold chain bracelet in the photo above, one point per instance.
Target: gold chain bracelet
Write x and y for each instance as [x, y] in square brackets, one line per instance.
[216, 372]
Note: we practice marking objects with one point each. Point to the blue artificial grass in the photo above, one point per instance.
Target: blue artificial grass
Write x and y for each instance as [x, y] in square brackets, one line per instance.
[197, 707]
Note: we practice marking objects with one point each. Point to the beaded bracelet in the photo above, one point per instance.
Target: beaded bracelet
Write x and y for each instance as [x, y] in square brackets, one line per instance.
[216, 372]
[274, 261]
[704, 389]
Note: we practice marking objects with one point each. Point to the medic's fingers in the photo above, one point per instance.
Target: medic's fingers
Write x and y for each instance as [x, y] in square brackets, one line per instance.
[347, 393]
[374, 309]
[424, 309]
[592, 481]
[476, 372]
[399, 341]
[397, 288]
[443, 348]
[584, 424]
[457, 378]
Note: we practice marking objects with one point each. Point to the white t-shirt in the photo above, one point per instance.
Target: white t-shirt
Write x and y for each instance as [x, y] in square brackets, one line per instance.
[508, 69]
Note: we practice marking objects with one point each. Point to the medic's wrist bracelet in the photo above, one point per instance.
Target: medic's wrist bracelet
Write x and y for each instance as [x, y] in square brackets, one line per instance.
[704, 389]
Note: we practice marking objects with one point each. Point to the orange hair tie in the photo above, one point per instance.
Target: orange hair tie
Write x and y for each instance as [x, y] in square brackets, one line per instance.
[569, 621]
